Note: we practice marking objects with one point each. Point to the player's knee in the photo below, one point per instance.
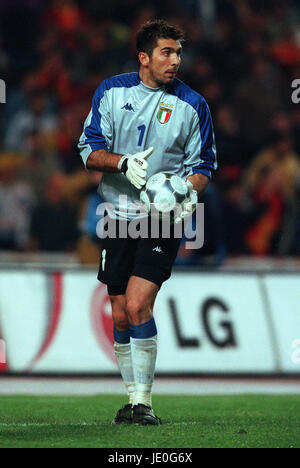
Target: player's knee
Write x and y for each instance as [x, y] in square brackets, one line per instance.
[137, 311]
[121, 324]
[119, 315]
[120, 320]
[133, 309]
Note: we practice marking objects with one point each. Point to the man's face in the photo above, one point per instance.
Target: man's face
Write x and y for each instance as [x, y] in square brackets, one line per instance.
[165, 61]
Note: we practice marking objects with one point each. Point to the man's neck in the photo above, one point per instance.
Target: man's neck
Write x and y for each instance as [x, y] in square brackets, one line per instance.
[147, 80]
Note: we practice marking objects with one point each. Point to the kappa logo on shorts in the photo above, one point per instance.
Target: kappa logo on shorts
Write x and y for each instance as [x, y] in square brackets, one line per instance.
[158, 249]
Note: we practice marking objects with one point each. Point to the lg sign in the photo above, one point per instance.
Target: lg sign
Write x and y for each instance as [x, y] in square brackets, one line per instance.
[221, 335]
[213, 317]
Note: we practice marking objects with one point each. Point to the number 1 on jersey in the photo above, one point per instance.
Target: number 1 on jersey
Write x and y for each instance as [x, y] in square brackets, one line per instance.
[142, 129]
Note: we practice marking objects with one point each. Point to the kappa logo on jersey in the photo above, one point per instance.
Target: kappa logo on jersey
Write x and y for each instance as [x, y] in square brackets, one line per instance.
[165, 112]
[128, 107]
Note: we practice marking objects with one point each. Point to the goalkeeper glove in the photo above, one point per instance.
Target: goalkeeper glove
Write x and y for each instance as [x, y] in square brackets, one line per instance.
[190, 204]
[134, 166]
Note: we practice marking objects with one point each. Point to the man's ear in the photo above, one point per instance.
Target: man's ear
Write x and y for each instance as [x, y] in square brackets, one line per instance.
[143, 58]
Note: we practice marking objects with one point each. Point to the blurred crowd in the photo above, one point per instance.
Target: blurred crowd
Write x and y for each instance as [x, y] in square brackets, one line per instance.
[242, 56]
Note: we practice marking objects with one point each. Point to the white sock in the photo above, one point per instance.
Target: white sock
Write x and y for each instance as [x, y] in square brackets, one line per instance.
[143, 351]
[123, 355]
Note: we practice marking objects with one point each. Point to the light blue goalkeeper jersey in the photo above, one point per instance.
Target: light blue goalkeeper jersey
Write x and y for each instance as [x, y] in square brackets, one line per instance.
[128, 117]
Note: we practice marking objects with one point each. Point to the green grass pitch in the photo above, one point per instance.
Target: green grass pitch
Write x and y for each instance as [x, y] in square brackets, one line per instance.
[188, 422]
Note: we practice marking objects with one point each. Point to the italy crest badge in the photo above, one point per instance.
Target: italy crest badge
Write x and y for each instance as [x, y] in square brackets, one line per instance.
[164, 114]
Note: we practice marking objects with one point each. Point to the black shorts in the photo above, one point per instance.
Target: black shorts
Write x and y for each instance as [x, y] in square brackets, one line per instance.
[148, 258]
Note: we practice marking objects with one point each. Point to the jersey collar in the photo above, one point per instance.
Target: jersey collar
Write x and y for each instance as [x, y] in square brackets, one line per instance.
[148, 88]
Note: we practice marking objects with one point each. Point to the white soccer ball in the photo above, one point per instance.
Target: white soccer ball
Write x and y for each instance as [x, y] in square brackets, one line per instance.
[164, 195]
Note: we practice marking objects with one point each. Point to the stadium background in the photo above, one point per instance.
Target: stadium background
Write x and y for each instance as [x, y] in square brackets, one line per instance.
[231, 307]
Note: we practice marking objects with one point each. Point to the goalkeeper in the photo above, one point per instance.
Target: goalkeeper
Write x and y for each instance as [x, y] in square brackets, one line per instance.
[140, 124]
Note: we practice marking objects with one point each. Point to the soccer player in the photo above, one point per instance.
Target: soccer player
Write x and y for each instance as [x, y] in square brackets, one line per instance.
[140, 124]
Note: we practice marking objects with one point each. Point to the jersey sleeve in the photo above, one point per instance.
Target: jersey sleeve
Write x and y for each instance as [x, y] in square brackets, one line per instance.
[200, 149]
[97, 131]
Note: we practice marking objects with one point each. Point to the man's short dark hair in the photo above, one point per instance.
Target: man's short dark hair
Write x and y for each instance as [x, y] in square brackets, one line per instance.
[150, 32]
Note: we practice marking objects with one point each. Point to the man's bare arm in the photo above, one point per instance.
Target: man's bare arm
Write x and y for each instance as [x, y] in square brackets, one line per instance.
[102, 160]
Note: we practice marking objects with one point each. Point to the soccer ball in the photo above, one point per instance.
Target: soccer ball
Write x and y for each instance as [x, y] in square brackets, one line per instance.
[164, 195]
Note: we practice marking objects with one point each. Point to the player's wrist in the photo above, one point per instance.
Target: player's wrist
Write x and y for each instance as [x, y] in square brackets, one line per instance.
[123, 164]
[192, 191]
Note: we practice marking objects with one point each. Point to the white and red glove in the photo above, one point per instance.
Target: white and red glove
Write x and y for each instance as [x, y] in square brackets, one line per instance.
[190, 204]
[134, 166]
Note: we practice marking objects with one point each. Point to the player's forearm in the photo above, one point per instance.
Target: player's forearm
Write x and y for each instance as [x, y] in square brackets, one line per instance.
[102, 160]
[200, 182]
